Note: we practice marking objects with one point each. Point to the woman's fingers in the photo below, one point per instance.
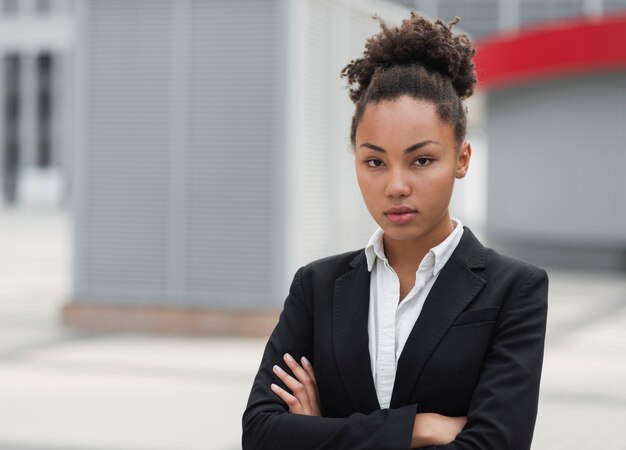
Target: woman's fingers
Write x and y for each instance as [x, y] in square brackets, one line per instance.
[310, 403]
[303, 398]
[309, 369]
[297, 389]
[290, 400]
[307, 382]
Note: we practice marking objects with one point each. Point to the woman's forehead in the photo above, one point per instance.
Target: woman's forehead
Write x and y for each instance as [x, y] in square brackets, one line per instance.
[402, 122]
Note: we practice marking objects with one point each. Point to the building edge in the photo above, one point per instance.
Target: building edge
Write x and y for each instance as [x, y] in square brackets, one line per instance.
[163, 320]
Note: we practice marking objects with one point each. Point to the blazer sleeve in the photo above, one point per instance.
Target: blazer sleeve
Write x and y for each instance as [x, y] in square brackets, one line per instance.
[267, 423]
[503, 408]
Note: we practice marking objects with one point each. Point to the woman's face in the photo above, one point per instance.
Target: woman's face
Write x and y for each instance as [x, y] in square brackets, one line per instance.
[406, 164]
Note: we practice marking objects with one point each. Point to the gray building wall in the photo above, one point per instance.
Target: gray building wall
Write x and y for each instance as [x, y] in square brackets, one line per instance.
[484, 17]
[175, 201]
[557, 158]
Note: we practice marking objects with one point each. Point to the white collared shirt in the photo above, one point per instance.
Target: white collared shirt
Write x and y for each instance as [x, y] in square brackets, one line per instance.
[390, 320]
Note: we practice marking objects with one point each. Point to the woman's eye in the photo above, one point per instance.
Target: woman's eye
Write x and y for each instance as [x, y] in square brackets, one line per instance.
[423, 161]
[374, 162]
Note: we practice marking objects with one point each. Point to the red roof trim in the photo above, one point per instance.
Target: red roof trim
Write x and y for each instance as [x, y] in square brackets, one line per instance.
[552, 50]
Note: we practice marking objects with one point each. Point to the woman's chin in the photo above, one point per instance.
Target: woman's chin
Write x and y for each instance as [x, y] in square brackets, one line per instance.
[402, 233]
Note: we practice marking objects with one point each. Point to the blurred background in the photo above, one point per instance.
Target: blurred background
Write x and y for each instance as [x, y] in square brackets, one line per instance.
[167, 165]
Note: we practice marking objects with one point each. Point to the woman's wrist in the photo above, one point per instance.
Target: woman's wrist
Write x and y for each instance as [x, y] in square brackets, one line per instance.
[435, 429]
[423, 430]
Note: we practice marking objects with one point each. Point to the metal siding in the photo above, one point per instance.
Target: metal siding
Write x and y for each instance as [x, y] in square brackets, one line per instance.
[178, 199]
[124, 204]
[557, 159]
[481, 17]
[533, 11]
[233, 157]
[477, 18]
[615, 5]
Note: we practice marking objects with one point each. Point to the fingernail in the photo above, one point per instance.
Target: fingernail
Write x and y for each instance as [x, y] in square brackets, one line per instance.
[274, 387]
[277, 368]
[289, 357]
[305, 361]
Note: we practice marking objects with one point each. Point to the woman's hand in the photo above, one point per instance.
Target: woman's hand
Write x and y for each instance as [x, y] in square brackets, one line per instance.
[304, 398]
[435, 429]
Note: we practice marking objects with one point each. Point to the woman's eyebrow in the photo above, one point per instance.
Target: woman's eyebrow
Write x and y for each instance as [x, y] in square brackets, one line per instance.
[408, 150]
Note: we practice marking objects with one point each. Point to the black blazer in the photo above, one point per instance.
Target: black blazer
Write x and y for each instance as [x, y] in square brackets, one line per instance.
[476, 350]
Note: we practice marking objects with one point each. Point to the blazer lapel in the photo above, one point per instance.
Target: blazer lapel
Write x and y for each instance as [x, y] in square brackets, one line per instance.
[455, 287]
[350, 335]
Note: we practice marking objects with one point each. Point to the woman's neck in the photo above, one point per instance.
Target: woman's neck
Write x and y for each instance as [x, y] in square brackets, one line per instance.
[408, 254]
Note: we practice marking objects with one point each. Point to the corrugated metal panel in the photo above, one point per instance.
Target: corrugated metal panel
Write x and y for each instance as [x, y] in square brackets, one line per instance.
[179, 199]
[533, 11]
[483, 17]
[613, 5]
[557, 159]
[234, 157]
[122, 214]
[477, 18]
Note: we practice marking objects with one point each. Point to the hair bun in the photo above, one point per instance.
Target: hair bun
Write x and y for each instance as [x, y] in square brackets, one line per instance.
[417, 41]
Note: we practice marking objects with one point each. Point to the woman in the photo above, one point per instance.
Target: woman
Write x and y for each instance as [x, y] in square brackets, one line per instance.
[424, 337]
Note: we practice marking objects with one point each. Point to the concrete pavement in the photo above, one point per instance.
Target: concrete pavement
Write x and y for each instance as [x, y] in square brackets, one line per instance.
[77, 391]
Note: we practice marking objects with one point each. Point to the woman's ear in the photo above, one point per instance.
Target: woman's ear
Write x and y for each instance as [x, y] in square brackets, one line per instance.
[463, 159]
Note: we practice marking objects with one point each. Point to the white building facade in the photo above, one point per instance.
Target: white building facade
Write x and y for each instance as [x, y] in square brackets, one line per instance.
[36, 70]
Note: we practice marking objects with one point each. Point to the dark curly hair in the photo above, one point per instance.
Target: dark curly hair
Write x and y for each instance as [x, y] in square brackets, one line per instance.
[422, 59]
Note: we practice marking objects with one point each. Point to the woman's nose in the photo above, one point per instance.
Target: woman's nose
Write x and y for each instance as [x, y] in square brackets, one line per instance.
[397, 185]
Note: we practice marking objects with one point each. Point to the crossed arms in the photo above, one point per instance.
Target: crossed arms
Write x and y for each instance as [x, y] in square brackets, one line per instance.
[501, 413]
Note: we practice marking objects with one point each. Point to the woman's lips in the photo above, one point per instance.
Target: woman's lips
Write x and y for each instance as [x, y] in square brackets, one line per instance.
[401, 215]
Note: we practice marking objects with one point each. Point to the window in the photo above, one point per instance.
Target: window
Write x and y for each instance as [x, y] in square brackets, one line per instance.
[44, 109]
[11, 111]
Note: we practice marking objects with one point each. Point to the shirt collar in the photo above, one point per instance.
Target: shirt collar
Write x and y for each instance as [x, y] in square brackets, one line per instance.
[374, 248]
[439, 254]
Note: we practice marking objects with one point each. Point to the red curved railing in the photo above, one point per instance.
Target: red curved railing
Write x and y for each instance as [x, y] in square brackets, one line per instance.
[552, 50]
